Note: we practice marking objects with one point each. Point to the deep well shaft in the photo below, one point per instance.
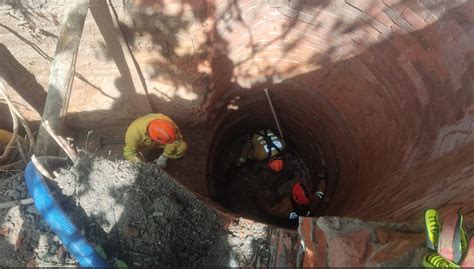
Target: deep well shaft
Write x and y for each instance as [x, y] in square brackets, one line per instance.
[385, 89]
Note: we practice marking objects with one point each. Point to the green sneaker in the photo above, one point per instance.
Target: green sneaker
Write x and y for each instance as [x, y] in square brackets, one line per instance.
[434, 260]
[464, 236]
[432, 229]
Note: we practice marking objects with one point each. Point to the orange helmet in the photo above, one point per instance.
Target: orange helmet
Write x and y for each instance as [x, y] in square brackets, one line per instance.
[300, 194]
[276, 165]
[162, 131]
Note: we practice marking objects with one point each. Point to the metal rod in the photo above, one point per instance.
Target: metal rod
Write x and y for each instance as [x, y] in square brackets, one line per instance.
[274, 113]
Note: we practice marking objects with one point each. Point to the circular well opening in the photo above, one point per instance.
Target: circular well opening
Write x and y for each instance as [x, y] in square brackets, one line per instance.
[253, 190]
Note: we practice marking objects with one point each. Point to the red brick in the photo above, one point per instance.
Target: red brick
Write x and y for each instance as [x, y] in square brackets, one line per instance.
[385, 236]
[413, 19]
[398, 20]
[353, 245]
[321, 245]
[391, 251]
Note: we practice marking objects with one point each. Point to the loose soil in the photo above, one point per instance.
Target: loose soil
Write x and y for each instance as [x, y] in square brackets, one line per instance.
[147, 219]
[25, 238]
[137, 212]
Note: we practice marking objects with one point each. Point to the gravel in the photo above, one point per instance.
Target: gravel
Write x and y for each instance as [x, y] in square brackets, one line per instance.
[25, 239]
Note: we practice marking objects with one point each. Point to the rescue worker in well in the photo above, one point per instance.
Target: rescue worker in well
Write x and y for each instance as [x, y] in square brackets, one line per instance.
[302, 201]
[263, 145]
[151, 132]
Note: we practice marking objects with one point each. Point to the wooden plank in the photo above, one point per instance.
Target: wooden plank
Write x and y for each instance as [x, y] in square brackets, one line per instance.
[62, 74]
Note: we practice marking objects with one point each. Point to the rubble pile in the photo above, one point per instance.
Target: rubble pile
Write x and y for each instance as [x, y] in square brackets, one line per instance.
[136, 212]
[143, 216]
[25, 238]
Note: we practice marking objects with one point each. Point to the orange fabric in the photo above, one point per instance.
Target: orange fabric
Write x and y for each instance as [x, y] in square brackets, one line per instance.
[162, 131]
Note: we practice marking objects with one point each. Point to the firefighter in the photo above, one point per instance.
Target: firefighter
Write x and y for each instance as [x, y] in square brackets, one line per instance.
[304, 202]
[263, 145]
[150, 132]
[301, 202]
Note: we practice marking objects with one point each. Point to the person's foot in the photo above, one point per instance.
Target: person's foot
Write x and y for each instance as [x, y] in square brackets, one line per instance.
[432, 228]
[464, 238]
[435, 260]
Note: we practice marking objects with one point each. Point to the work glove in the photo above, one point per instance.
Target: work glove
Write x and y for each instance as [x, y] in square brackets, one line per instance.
[293, 215]
[320, 194]
[161, 161]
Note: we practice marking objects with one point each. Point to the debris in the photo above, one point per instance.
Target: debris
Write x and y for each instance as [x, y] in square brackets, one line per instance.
[15, 203]
[164, 223]
[8, 167]
[71, 153]
[16, 139]
[15, 113]
[8, 148]
[39, 166]
[21, 227]
[31, 263]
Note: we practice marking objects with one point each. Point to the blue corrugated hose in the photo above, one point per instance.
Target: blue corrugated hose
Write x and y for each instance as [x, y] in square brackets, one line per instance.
[60, 223]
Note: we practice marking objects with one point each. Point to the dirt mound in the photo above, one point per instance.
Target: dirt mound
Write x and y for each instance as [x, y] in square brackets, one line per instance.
[137, 212]
[142, 215]
[25, 238]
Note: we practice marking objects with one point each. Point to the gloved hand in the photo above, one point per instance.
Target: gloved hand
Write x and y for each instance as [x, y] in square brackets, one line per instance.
[161, 161]
[293, 215]
[320, 194]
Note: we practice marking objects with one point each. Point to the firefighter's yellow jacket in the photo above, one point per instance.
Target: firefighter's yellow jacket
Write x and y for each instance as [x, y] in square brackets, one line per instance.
[136, 137]
[260, 150]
